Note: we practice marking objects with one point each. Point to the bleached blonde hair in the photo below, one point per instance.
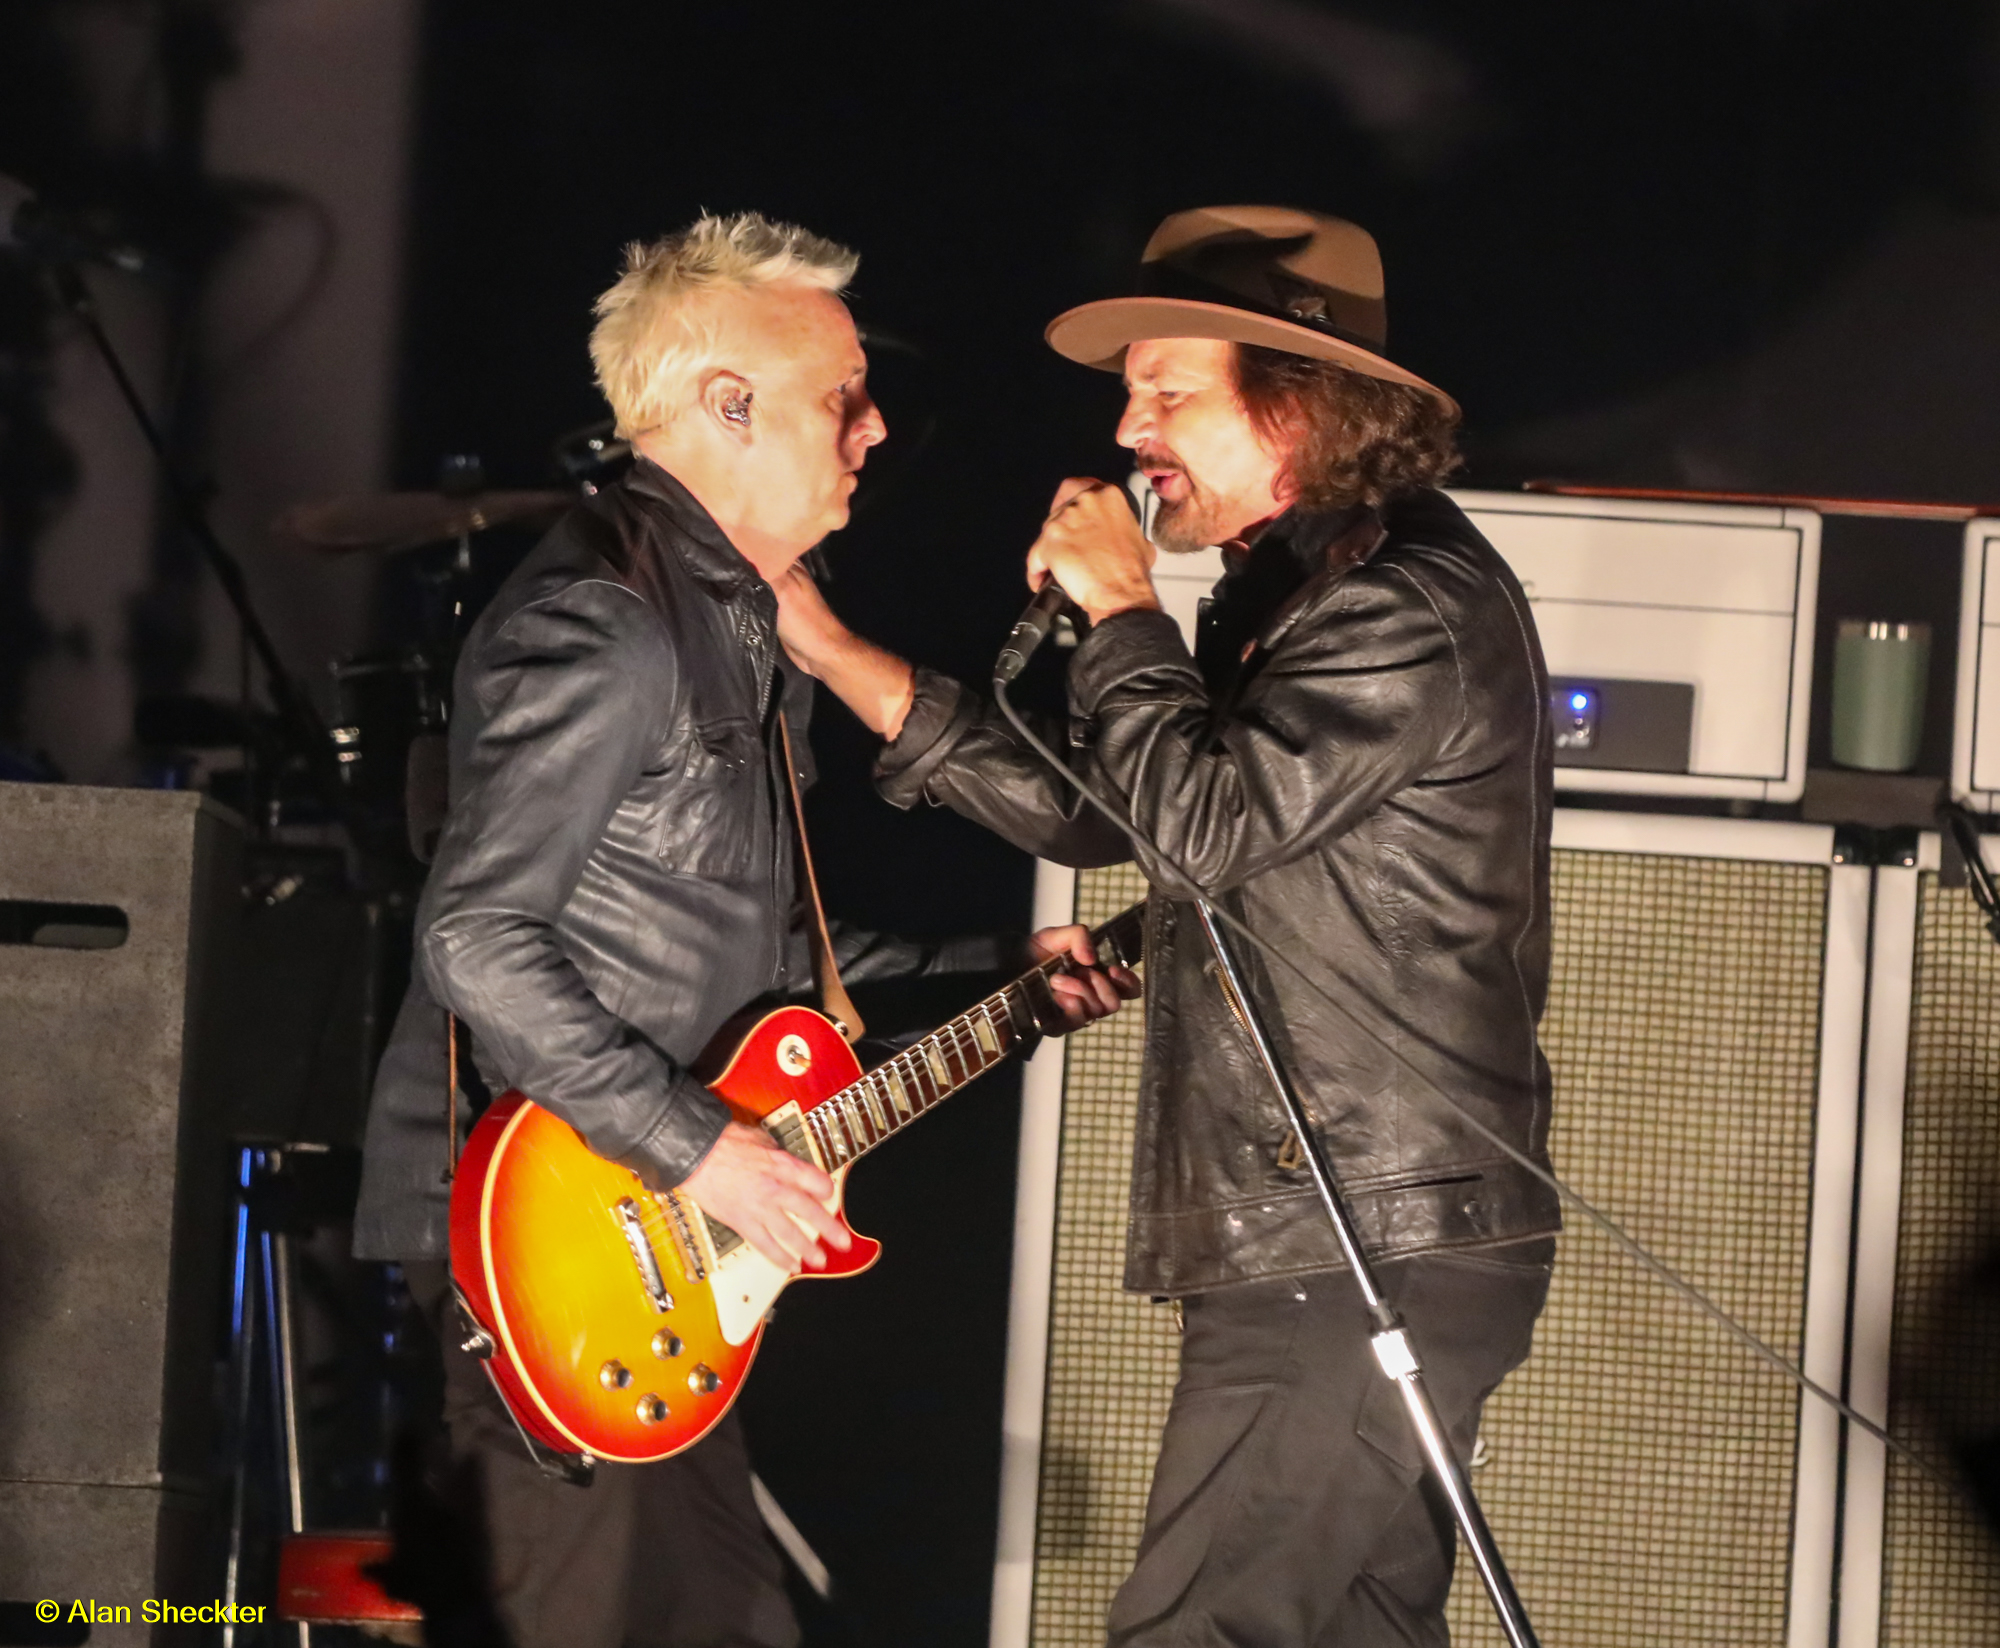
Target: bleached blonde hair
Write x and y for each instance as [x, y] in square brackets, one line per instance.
[656, 331]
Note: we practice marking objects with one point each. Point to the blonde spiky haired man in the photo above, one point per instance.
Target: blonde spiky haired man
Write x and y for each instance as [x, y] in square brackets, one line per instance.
[658, 326]
[616, 879]
[731, 362]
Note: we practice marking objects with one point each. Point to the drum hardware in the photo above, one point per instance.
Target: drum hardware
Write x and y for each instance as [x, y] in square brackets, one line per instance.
[386, 523]
[592, 457]
[394, 706]
[305, 731]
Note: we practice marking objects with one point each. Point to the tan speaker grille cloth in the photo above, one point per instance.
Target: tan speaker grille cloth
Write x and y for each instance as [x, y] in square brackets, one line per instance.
[1112, 1354]
[1942, 1568]
[1641, 1464]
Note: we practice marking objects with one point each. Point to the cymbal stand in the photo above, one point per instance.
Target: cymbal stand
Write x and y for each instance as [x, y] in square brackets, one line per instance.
[296, 709]
[1391, 1340]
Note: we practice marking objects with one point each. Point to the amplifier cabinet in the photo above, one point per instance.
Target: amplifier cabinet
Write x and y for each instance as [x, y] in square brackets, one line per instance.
[1714, 601]
[118, 928]
[1975, 741]
[1679, 637]
[1649, 1479]
[1920, 1562]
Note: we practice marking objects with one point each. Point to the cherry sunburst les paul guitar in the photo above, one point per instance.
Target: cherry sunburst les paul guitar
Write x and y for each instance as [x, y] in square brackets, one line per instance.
[618, 1322]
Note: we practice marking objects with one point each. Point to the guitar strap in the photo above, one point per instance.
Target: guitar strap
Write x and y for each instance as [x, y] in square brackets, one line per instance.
[462, 1080]
[833, 997]
[450, 1093]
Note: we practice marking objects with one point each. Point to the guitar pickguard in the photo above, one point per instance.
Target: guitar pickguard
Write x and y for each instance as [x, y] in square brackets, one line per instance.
[743, 1283]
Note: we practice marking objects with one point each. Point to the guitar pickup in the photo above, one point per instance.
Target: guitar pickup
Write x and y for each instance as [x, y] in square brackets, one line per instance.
[788, 1127]
[633, 1225]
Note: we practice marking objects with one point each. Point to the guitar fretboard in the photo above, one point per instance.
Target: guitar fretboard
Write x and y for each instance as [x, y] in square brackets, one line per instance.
[860, 1116]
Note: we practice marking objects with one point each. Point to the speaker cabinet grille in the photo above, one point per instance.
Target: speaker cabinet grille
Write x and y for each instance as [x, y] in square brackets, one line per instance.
[1941, 1565]
[1640, 1467]
[1112, 1355]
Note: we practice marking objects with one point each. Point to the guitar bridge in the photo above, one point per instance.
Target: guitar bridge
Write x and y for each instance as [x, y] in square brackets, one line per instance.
[682, 1228]
[630, 1223]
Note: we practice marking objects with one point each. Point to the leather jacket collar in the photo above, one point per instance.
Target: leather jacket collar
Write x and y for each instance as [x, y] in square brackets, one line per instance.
[703, 545]
[1304, 543]
[1258, 581]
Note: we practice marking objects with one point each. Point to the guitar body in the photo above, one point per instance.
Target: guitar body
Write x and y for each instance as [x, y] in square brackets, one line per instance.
[622, 1323]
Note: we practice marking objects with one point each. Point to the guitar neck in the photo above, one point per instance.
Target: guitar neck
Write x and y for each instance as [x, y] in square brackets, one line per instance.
[852, 1122]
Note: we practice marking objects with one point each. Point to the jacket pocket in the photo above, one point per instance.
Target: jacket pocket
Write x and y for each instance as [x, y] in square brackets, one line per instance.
[711, 815]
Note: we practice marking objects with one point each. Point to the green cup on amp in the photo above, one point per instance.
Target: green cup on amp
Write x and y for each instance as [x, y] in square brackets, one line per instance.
[1880, 671]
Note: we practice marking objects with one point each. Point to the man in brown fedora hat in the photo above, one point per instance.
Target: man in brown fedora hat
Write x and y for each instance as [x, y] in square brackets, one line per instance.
[1354, 760]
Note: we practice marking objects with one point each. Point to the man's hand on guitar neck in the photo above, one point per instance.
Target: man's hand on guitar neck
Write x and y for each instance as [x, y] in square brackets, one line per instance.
[1083, 991]
[770, 1198]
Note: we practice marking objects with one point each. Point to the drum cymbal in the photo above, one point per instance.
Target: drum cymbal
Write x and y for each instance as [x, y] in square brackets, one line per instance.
[382, 522]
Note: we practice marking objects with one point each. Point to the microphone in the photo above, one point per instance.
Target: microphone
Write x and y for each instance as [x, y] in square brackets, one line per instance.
[1030, 632]
[1049, 601]
[31, 230]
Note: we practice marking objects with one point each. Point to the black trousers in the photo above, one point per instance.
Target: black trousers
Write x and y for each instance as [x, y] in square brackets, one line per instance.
[1290, 1506]
[668, 1555]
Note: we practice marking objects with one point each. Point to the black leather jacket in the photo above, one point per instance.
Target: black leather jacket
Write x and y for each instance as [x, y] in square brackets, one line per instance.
[615, 878]
[1360, 766]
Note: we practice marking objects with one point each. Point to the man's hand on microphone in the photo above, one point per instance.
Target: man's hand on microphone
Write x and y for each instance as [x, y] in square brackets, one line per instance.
[1093, 547]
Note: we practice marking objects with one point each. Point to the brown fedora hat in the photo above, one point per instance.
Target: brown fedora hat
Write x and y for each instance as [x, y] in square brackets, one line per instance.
[1270, 275]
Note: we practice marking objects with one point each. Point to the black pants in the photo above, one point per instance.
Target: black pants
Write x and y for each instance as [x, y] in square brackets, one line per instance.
[669, 1555]
[1289, 1508]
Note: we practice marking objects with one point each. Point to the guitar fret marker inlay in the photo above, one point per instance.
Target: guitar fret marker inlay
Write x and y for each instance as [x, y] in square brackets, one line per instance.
[938, 1069]
[982, 1032]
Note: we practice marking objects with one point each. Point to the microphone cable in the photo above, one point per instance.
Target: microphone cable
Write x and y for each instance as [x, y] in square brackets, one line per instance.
[1630, 1244]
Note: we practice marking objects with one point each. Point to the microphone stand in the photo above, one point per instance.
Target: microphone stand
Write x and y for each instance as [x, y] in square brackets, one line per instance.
[1390, 1339]
[1388, 1336]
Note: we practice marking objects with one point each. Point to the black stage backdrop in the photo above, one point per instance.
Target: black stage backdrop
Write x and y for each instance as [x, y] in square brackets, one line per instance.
[1580, 206]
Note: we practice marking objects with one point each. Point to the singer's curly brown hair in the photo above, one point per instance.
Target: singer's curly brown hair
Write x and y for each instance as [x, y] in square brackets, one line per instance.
[1354, 439]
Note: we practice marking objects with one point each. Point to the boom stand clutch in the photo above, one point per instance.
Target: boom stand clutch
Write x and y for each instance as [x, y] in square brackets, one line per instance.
[1390, 1338]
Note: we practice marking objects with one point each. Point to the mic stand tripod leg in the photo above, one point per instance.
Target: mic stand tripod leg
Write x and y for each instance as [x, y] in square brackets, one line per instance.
[1389, 1338]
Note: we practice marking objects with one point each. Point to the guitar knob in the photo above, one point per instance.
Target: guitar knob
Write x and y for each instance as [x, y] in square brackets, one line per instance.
[652, 1410]
[704, 1381]
[667, 1343]
[614, 1375]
